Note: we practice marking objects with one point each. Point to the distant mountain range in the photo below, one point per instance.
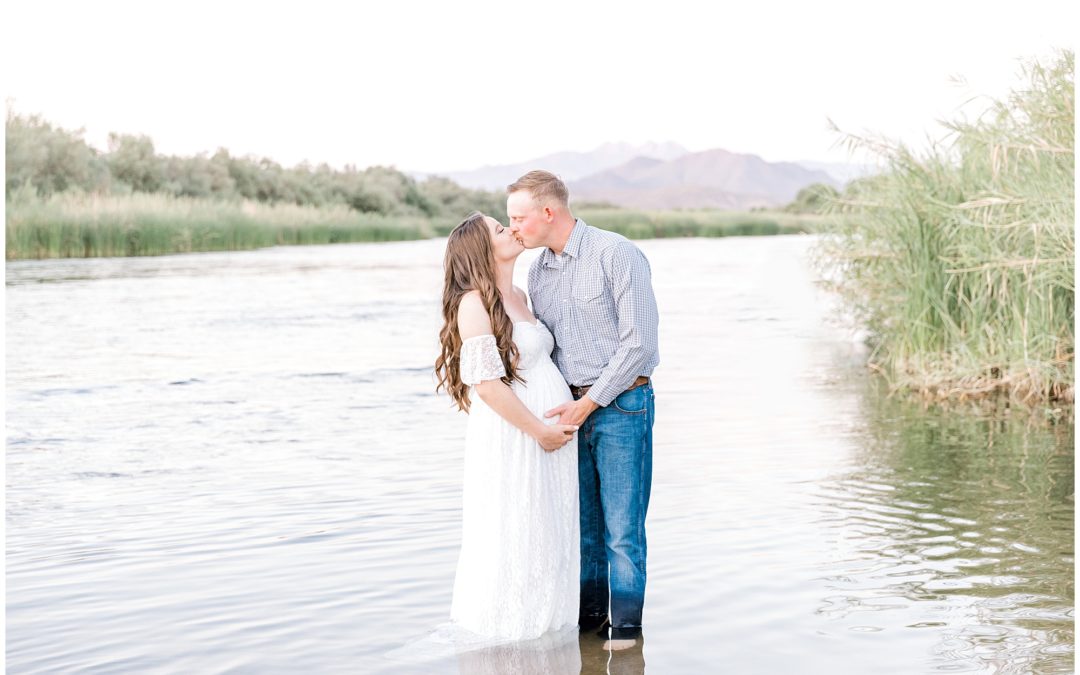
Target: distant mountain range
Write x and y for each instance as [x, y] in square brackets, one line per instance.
[709, 179]
[667, 175]
[567, 165]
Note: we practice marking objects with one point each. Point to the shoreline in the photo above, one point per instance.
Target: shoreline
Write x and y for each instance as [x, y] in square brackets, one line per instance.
[94, 226]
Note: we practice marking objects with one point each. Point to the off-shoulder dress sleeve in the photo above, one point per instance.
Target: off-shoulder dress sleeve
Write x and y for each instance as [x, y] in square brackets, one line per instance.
[480, 360]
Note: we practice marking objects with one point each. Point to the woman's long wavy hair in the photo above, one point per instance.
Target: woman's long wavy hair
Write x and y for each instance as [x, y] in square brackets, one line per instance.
[470, 265]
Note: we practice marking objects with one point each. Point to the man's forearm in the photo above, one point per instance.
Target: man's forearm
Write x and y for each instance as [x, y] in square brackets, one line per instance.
[635, 308]
[617, 376]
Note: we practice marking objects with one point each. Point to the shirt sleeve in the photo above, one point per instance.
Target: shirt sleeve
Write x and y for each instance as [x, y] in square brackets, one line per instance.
[635, 304]
[480, 360]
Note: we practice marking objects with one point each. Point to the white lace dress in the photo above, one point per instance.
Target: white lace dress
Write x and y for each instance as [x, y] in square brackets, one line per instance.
[517, 576]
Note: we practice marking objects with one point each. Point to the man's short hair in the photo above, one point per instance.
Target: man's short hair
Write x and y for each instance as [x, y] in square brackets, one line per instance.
[544, 186]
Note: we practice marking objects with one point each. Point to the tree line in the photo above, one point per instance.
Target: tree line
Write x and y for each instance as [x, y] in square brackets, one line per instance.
[46, 160]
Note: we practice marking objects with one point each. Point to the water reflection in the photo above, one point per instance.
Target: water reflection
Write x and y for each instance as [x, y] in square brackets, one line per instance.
[534, 657]
[563, 652]
[595, 660]
[970, 516]
[557, 654]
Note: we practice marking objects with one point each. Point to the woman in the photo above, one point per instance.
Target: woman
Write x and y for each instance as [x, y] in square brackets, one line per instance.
[518, 572]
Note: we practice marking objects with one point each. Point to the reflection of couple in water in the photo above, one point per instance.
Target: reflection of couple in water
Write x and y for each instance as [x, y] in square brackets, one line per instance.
[556, 653]
[558, 452]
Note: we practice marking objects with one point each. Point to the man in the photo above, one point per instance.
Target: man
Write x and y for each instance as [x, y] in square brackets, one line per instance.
[592, 288]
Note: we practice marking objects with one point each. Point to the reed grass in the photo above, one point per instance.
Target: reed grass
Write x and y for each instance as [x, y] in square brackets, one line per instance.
[70, 224]
[73, 224]
[960, 261]
[636, 224]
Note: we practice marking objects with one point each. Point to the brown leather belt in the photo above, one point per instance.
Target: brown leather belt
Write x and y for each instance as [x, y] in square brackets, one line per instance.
[578, 392]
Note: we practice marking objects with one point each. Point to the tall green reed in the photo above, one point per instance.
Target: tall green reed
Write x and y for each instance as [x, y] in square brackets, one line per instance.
[960, 261]
[71, 224]
[637, 224]
[77, 224]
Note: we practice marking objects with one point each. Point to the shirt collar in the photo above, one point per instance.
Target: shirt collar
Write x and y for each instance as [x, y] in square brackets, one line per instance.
[573, 244]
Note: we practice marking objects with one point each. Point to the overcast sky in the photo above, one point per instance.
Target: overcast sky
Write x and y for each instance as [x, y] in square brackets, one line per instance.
[456, 85]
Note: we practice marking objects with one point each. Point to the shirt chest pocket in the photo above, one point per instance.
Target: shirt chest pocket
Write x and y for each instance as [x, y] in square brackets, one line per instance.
[544, 297]
[590, 302]
[541, 303]
[587, 289]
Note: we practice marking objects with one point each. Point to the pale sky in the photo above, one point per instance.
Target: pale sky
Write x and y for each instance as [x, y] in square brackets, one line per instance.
[430, 86]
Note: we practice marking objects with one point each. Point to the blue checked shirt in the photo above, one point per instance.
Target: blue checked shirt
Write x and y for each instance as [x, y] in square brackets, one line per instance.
[598, 301]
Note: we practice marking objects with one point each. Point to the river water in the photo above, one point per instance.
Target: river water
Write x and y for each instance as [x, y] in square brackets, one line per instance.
[236, 462]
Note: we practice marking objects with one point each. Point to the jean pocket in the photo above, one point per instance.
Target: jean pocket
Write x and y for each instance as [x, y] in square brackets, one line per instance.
[633, 402]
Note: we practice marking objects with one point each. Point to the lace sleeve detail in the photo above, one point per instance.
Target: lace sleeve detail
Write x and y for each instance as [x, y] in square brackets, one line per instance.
[480, 360]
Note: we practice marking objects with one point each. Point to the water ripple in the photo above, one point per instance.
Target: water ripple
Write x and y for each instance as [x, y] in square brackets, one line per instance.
[247, 469]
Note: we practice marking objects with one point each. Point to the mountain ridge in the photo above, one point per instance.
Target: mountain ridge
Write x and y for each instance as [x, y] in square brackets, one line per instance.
[568, 165]
[714, 178]
[667, 175]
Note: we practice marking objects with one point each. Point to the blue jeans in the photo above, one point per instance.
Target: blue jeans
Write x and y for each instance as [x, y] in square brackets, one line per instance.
[615, 479]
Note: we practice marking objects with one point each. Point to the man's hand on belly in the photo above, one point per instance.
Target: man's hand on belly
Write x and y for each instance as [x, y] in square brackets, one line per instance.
[573, 412]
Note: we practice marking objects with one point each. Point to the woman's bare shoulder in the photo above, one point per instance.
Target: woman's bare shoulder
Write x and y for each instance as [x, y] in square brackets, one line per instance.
[472, 317]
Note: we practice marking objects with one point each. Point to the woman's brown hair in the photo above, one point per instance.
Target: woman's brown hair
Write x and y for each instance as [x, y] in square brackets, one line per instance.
[469, 265]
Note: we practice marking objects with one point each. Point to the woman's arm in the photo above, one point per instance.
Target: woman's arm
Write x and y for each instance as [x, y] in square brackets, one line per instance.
[473, 321]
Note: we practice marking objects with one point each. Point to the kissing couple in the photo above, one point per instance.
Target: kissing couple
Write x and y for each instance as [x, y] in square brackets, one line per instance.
[558, 443]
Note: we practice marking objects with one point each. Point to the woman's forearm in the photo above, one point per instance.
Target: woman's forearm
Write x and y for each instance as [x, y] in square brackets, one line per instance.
[501, 398]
